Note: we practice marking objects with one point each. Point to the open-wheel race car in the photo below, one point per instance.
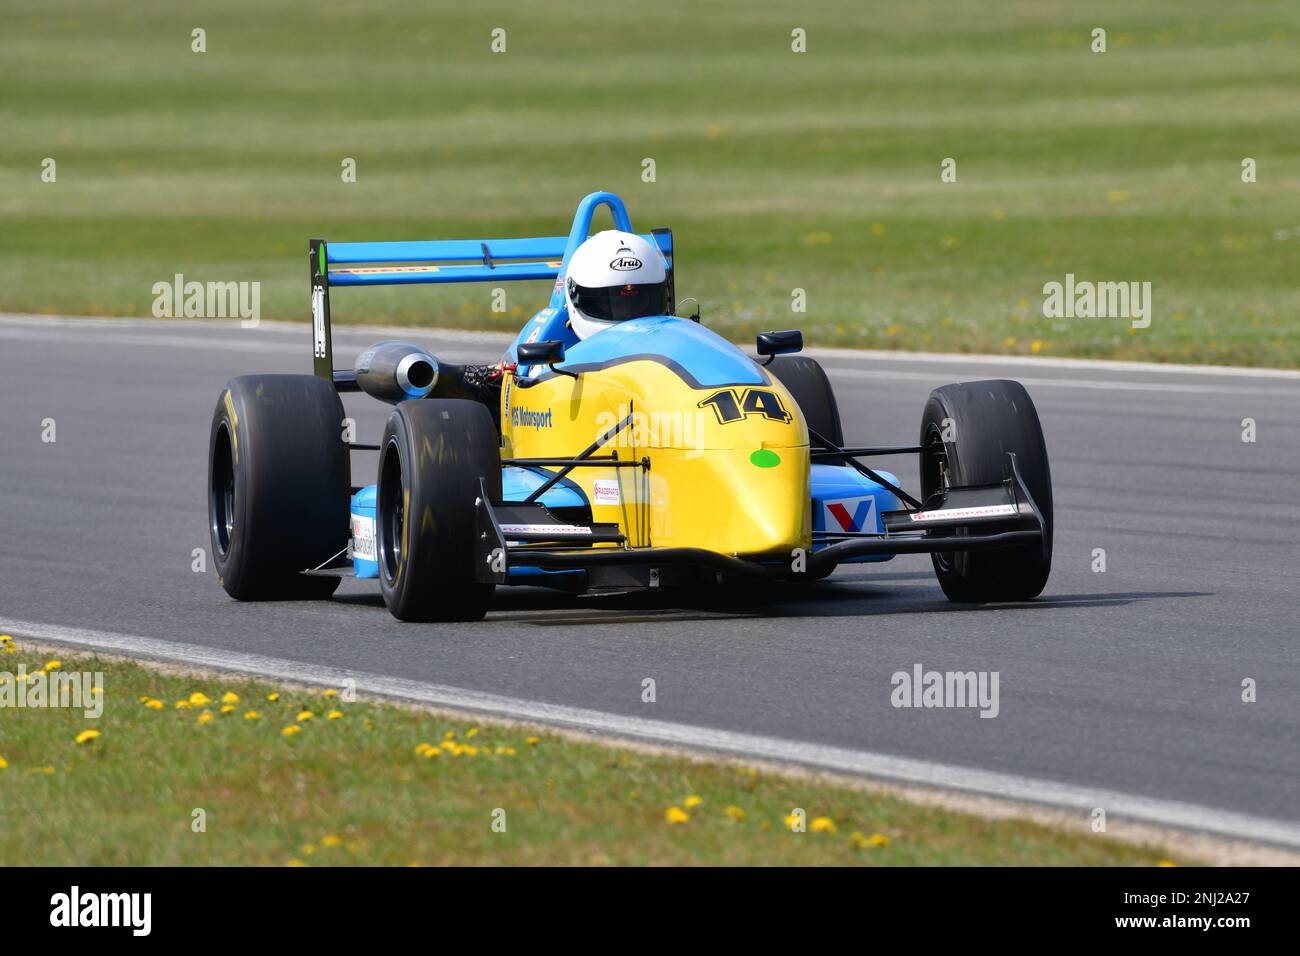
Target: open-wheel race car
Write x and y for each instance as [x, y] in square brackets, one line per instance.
[650, 454]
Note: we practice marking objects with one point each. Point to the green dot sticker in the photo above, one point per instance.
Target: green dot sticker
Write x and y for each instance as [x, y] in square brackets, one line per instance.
[765, 458]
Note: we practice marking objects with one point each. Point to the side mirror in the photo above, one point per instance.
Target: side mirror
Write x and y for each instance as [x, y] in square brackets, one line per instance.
[773, 344]
[543, 353]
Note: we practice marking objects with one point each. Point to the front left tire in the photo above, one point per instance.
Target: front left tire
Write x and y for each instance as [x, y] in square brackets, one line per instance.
[433, 455]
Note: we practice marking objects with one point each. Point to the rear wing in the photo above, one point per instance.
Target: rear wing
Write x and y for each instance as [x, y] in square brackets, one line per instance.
[455, 260]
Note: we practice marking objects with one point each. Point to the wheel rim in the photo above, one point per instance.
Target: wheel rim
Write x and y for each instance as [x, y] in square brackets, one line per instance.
[221, 490]
[932, 481]
[391, 512]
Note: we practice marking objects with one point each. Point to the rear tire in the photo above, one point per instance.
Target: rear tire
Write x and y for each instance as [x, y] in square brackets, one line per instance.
[806, 380]
[432, 456]
[278, 486]
[988, 419]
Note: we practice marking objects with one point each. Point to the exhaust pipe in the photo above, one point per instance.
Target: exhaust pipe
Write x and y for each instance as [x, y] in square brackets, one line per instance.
[395, 371]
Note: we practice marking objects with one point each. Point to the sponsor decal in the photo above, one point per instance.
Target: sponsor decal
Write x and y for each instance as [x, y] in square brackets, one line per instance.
[530, 418]
[625, 263]
[318, 319]
[383, 270]
[363, 538]
[946, 514]
[605, 492]
[544, 529]
[850, 514]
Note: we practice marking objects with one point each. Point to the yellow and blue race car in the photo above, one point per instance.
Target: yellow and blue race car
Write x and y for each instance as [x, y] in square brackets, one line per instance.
[652, 454]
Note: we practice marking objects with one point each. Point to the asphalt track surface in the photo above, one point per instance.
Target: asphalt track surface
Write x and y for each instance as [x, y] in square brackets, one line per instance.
[1122, 686]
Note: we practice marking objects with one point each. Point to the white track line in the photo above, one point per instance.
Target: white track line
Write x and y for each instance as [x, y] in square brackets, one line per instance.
[881, 766]
[503, 339]
[1281, 390]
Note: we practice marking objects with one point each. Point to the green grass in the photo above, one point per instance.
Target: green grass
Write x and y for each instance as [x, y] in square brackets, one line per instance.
[777, 170]
[354, 790]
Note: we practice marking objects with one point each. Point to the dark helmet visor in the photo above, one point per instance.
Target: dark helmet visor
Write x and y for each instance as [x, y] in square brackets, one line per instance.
[619, 302]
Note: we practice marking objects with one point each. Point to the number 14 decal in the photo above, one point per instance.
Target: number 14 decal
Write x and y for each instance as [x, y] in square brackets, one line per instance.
[732, 405]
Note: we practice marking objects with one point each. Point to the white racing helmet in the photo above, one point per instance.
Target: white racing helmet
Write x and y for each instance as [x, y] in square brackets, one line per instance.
[612, 277]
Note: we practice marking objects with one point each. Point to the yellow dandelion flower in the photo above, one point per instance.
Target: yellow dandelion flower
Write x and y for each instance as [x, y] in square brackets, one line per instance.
[1166, 863]
[154, 704]
[866, 842]
[307, 849]
[205, 717]
[53, 665]
[230, 697]
[5, 639]
[792, 821]
[432, 752]
[330, 840]
[506, 751]
[692, 801]
[3, 763]
[305, 715]
[334, 715]
[252, 715]
[291, 730]
[199, 699]
[295, 863]
[472, 732]
[273, 697]
[331, 692]
[86, 736]
[449, 735]
[676, 815]
[469, 751]
[227, 708]
[734, 812]
[533, 741]
[423, 748]
[182, 705]
[822, 825]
